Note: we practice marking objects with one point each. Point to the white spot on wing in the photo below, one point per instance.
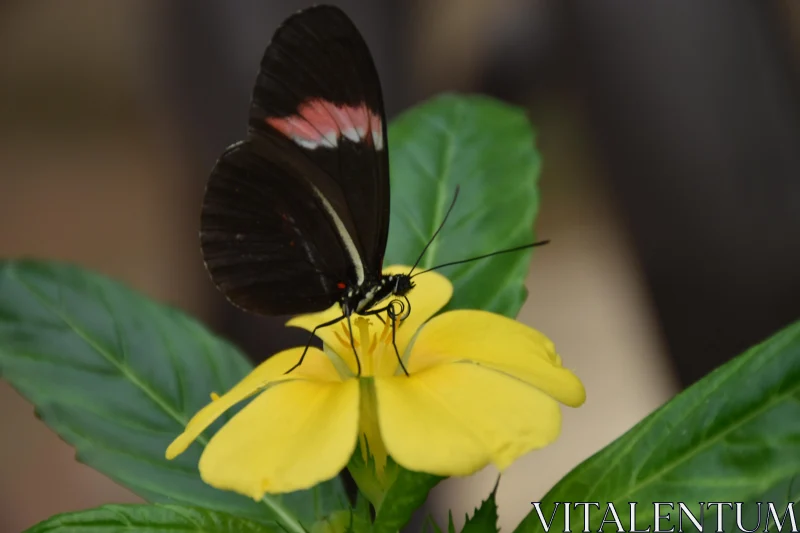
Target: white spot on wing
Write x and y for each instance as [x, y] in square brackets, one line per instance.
[306, 143]
[377, 140]
[351, 134]
[329, 139]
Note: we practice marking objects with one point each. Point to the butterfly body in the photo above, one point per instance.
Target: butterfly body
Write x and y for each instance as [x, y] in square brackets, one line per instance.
[368, 295]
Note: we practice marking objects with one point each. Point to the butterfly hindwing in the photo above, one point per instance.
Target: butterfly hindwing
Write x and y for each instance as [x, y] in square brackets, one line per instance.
[267, 240]
[318, 87]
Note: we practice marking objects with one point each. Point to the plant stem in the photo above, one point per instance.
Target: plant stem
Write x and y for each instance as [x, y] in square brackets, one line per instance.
[284, 516]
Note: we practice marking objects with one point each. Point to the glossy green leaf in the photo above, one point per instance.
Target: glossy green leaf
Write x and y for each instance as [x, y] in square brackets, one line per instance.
[149, 519]
[484, 520]
[349, 521]
[487, 148]
[732, 437]
[118, 377]
[407, 493]
[362, 512]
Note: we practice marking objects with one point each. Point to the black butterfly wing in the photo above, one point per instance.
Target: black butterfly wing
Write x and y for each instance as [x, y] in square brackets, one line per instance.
[267, 239]
[318, 87]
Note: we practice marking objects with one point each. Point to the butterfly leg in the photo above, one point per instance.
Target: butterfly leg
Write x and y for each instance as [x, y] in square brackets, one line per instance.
[394, 344]
[394, 317]
[347, 313]
[310, 337]
[376, 313]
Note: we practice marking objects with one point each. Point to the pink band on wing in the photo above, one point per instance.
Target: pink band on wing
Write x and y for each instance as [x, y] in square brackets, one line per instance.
[319, 123]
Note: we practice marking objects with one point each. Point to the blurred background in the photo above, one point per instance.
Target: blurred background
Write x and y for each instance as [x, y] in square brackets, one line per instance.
[670, 132]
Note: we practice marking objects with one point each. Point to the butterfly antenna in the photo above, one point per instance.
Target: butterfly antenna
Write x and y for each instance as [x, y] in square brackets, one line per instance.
[508, 250]
[452, 204]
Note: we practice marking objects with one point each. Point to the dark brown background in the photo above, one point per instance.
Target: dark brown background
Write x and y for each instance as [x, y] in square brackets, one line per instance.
[670, 131]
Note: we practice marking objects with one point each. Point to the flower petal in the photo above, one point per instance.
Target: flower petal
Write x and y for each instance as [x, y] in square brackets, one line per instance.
[291, 437]
[454, 419]
[500, 343]
[316, 366]
[431, 293]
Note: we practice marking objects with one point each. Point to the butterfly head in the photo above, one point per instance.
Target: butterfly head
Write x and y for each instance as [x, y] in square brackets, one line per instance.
[400, 284]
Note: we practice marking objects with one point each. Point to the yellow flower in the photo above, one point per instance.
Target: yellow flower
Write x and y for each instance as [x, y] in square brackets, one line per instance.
[482, 389]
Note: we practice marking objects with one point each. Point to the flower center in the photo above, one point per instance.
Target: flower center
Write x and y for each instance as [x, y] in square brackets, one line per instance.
[373, 343]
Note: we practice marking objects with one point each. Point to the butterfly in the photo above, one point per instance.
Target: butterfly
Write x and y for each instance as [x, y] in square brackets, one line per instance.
[295, 218]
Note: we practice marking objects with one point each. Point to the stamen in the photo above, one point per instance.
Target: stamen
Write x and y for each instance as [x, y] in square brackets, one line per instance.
[386, 334]
[342, 339]
[373, 343]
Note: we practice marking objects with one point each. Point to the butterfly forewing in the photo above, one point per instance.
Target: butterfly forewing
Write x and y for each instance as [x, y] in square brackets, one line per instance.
[319, 87]
[300, 211]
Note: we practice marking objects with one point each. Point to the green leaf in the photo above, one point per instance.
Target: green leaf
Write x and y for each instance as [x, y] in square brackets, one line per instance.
[484, 520]
[348, 521]
[148, 519]
[732, 437]
[363, 510]
[396, 495]
[118, 377]
[486, 147]
[406, 494]
[316, 503]
[364, 474]
[430, 525]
